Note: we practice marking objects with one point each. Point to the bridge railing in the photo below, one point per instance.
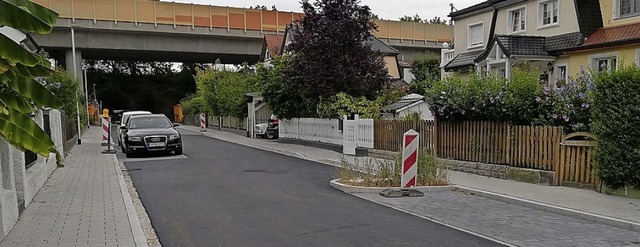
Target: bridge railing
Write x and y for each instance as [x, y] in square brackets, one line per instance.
[220, 17]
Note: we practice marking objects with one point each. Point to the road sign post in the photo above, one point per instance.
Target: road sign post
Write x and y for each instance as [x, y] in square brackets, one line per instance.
[203, 122]
[410, 144]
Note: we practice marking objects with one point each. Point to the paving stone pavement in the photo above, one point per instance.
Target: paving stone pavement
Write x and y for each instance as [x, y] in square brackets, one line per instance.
[510, 223]
[80, 205]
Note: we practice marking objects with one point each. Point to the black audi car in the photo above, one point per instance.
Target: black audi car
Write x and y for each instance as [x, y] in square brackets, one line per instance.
[151, 133]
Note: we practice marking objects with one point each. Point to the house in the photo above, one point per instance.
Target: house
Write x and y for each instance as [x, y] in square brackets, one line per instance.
[271, 47]
[616, 42]
[407, 105]
[390, 54]
[496, 36]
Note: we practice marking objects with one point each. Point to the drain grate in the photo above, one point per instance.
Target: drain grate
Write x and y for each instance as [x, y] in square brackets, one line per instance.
[254, 170]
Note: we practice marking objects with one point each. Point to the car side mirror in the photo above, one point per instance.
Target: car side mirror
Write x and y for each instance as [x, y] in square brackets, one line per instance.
[176, 124]
[123, 127]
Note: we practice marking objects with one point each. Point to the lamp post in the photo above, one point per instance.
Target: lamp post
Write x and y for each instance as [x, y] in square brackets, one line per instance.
[75, 74]
[86, 94]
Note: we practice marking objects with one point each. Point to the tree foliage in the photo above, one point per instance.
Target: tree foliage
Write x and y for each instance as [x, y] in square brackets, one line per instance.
[417, 18]
[19, 69]
[615, 122]
[426, 70]
[224, 91]
[67, 89]
[286, 96]
[120, 83]
[329, 53]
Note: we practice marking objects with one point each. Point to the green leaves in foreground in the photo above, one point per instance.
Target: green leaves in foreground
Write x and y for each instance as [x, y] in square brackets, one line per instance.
[22, 132]
[27, 16]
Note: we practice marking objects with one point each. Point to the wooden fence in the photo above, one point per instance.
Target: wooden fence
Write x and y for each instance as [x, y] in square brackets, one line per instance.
[576, 160]
[535, 147]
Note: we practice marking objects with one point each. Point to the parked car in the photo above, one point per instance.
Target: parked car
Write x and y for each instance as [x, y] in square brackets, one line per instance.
[273, 128]
[260, 130]
[151, 133]
[123, 122]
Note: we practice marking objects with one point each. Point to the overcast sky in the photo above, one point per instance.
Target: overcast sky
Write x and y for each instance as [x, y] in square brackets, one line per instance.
[385, 9]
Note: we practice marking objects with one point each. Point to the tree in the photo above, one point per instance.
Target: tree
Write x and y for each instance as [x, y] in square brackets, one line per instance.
[225, 91]
[415, 18]
[19, 69]
[329, 53]
[288, 97]
[437, 20]
[426, 70]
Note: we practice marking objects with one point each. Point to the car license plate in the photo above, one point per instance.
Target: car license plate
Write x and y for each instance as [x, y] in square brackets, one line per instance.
[156, 144]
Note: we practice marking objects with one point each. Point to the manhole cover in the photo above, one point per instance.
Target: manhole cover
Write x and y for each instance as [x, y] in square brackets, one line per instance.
[254, 170]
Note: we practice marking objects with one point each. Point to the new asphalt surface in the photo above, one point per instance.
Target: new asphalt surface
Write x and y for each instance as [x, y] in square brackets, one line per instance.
[224, 194]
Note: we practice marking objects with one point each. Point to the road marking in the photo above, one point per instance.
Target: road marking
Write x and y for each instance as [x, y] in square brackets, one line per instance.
[143, 159]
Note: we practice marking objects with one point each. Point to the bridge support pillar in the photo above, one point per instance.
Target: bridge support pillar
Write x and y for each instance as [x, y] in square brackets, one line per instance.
[68, 62]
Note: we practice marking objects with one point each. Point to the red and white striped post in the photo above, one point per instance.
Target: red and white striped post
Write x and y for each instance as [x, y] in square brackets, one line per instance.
[203, 123]
[105, 131]
[410, 143]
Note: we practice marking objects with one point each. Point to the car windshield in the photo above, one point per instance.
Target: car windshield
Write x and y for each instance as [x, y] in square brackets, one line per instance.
[149, 123]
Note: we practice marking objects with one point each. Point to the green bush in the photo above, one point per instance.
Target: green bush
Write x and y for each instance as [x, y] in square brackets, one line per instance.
[475, 98]
[519, 101]
[67, 89]
[194, 104]
[224, 91]
[343, 104]
[616, 122]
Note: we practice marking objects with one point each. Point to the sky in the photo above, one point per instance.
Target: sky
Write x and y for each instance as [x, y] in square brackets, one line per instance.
[385, 9]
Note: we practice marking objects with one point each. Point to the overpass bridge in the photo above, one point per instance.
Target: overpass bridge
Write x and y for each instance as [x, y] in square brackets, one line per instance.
[178, 32]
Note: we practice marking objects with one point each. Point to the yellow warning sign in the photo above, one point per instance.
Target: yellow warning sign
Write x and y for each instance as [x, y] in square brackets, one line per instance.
[105, 112]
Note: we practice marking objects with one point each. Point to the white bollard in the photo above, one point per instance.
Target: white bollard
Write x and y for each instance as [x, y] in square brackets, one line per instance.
[203, 123]
[410, 145]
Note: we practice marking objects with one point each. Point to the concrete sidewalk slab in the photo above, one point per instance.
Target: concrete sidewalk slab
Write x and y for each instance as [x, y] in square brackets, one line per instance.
[584, 204]
[84, 203]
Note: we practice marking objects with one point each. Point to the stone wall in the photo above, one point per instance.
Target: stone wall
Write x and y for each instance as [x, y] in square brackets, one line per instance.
[18, 184]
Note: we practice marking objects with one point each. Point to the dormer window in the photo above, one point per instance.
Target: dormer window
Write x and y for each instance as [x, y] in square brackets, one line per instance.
[476, 35]
[548, 13]
[517, 20]
[628, 7]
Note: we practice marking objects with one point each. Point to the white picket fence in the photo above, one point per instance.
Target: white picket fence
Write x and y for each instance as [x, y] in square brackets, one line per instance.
[325, 131]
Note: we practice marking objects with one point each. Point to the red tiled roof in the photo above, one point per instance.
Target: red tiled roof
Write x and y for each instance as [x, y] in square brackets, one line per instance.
[274, 43]
[614, 35]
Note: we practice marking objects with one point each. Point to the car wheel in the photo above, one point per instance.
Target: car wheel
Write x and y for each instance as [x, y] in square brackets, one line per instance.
[178, 151]
[263, 136]
[129, 155]
[269, 135]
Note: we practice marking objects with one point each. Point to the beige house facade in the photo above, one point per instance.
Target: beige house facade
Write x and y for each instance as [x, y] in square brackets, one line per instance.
[536, 34]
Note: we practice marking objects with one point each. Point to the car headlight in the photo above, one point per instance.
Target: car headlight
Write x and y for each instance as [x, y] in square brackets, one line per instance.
[174, 137]
[134, 138]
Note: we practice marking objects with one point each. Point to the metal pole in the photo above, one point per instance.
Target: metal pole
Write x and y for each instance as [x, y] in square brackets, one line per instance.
[95, 96]
[75, 75]
[86, 95]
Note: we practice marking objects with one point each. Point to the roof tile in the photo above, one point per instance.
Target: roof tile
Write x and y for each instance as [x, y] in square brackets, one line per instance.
[617, 34]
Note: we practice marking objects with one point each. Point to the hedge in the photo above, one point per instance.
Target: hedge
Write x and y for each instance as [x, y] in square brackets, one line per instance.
[616, 122]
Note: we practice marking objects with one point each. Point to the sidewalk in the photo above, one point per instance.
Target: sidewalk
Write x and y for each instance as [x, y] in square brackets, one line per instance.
[84, 203]
[577, 203]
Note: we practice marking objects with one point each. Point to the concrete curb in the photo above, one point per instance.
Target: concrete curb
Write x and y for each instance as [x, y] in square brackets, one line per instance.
[136, 228]
[606, 220]
[350, 189]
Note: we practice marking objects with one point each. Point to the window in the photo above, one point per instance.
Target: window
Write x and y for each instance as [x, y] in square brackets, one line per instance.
[604, 64]
[548, 13]
[638, 57]
[628, 7]
[517, 20]
[561, 75]
[476, 35]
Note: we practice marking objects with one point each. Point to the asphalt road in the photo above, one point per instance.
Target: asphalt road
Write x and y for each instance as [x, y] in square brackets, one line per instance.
[224, 194]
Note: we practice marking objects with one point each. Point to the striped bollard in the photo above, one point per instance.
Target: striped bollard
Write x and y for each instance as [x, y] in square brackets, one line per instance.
[203, 123]
[409, 159]
[105, 131]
